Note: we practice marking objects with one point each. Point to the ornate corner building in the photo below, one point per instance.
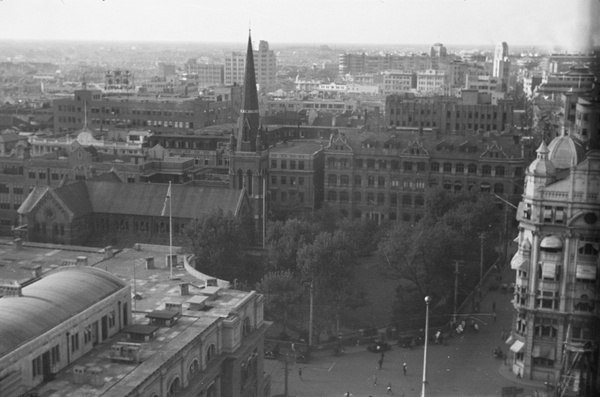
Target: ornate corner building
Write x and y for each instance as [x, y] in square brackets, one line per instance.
[555, 334]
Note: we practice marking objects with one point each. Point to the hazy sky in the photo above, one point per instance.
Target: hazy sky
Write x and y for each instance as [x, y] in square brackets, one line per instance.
[567, 23]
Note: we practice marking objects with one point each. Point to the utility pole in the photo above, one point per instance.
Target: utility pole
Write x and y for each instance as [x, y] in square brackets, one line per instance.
[455, 290]
[481, 236]
[310, 317]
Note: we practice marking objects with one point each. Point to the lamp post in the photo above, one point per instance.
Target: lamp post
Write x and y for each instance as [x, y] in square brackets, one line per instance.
[481, 236]
[427, 300]
[310, 317]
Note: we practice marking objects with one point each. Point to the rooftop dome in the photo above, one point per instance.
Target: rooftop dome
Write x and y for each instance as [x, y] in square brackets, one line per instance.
[551, 242]
[565, 151]
[541, 166]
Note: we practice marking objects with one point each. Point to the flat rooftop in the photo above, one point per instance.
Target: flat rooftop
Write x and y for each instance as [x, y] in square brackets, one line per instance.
[153, 287]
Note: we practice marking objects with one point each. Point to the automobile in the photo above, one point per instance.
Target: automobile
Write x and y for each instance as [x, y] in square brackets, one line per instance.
[378, 346]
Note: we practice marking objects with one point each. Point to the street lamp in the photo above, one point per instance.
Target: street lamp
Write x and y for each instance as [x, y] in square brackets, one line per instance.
[427, 300]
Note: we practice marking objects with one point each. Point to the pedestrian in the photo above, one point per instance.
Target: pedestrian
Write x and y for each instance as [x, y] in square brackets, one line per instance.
[380, 363]
[389, 388]
[494, 316]
[300, 372]
[374, 379]
[404, 368]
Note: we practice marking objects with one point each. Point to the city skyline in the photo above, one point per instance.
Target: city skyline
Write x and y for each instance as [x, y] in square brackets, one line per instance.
[555, 24]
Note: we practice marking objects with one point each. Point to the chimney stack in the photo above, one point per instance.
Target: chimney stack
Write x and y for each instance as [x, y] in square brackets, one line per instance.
[108, 252]
[149, 262]
[82, 261]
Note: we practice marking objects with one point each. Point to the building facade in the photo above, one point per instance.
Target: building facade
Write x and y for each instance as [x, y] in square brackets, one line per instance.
[385, 176]
[555, 334]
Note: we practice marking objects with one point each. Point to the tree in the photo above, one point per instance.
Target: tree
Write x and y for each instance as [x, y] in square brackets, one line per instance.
[217, 240]
[282, 291]
[284, 239]
[328, 264]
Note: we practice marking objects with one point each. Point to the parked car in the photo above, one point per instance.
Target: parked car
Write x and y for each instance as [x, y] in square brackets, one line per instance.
[378, 346]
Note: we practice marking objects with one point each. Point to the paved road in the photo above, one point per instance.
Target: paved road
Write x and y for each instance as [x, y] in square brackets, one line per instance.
[465, 367]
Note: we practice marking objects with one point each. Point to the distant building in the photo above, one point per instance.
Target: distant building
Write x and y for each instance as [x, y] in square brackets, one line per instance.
[154, 113]
[265, 62]
[396, 81]
[164, 70]
[501, 66]
[205, 74]
[432, 81]
[577, 79]
[472, 112]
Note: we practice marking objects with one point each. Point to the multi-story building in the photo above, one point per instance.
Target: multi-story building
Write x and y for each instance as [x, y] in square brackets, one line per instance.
[396, 81]
[190, 335]
[296, 177]
[555, 334]
[472, 112]
[154, 113]
[561, 63]
[205, 74]
[432, 81]
[357, 64]
[233, 71]
[265, 62]
[578, 80]
[385, 176]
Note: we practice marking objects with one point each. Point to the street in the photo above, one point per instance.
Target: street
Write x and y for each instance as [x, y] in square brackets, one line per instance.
[465, 367]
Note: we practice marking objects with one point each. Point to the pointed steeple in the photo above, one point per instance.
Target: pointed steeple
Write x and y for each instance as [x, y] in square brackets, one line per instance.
[249, 117]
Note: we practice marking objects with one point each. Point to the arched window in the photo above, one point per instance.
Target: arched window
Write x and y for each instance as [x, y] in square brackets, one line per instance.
[447, 167]
[211, 352]
[193, 369]
[407, 184]
[447, 185]
[247, 326]
[331, 196]
[460, 168]
[408, 166]
[472, 168]
[331, 162]
[344, 180]
[344, 196]
[370, 163]
[457, 186]
[486, 170]
[174, 387]
[371, 180]
[485, 187]
[435, 166]
[500, 171]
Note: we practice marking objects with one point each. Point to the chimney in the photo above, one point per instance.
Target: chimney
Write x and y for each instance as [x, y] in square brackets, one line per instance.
[17, 244]
[82, 261]
[171, 260]
[149, 262]
[108, 252]
[36, 271]
[184, 288]
[11, 290]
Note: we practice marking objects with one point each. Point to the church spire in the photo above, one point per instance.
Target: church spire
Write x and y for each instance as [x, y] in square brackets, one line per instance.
[249, 117]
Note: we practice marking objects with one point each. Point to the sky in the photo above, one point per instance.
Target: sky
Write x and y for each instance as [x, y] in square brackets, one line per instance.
[569, 24]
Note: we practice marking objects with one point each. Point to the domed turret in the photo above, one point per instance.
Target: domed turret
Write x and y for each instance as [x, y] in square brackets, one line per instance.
[541, 166]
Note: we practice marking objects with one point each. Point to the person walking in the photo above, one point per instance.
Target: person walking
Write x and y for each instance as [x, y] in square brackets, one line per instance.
[389, 389]
[300, 372]
[404, 368]
[374, 379]
[380, 363]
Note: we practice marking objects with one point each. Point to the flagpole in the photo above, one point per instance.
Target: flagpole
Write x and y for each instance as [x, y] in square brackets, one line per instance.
[170, 232]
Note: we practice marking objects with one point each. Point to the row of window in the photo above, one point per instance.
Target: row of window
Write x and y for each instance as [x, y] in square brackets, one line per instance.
[284, 179]
[408, 166]
[372, 198]
[287, 196]
[417, 184]
[283, 164]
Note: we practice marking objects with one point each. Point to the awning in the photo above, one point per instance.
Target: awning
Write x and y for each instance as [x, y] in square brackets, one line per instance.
[519, 262]
[517, 346]
[510, 340]
[549, 270]
[586, 272]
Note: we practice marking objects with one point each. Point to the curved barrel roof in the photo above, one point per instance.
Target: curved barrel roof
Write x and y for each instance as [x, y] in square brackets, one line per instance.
[50, 301]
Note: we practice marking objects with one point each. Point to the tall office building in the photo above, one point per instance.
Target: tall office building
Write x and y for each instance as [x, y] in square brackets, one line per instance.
[265, 62]
[501, 66]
